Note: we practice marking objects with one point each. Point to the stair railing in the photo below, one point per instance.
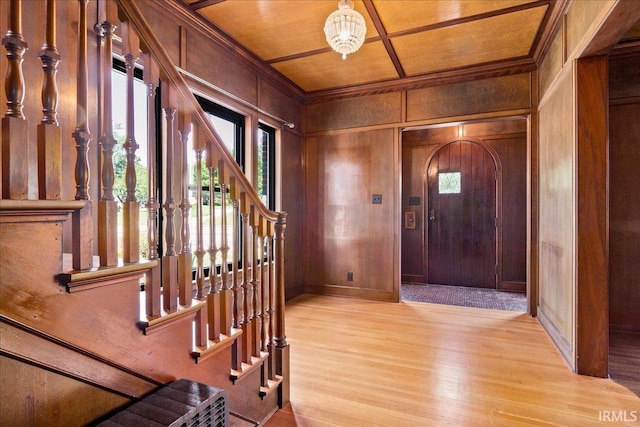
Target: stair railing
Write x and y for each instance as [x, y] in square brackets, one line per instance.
[227, 302]
[250, 302]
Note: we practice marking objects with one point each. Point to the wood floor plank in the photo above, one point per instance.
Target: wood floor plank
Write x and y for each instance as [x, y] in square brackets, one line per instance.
[624, 358]
[365, 363]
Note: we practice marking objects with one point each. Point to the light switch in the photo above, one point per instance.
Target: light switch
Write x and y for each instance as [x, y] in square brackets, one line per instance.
[377, 199]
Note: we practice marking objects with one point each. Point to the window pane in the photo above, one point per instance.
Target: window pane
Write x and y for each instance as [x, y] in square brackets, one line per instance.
[226, 130]
[449, 182]
[229, 126]
[266, 166]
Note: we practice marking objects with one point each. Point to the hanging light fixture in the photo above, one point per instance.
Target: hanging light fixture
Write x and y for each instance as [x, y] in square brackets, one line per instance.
[345, 29]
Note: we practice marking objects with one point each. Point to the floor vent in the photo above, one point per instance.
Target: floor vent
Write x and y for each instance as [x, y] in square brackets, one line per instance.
[183, 403]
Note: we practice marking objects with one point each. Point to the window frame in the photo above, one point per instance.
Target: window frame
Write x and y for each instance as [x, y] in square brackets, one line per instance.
[271, 163]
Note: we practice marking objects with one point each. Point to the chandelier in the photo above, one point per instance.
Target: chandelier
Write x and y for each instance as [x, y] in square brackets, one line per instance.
[345, 29]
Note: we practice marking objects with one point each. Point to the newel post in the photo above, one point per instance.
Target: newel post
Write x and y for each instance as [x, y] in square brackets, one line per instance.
[279, 337]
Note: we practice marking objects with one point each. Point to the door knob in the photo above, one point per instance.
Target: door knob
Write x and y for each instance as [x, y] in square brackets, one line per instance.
[432, 215]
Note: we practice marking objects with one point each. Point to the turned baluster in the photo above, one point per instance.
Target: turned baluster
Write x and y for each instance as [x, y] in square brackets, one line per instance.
[151, 76]
[49, 133]
[170, 259]
[81, 134]
[152, 282]
[226, 291]
[185, 261]
[256, 317]
[107, 206]
[15, 45]
[199, 252]
[235, 285]
[267, 370]
[214, 286]
[14, 153]
[246, 285]
[82, 238]
[236, 353]
[264, 286]
[270, 302]
[217, 315]
[130, 207]
[50, 57]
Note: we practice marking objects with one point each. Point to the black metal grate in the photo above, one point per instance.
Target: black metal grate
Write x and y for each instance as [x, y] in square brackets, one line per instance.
[183, 403]
[211, 415]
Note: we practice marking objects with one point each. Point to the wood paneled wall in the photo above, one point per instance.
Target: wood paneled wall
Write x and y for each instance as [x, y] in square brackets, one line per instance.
[557, 215]
[466, 98]
[75, 402]
[344, 231]
[381, 109]
[509, 139]
[292, 190]
[352, 151]
[572, 169]
[624, 199]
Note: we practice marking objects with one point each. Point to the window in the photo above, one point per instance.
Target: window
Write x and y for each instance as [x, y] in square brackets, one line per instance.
[266, 185]
[230, 127]
[449, 183]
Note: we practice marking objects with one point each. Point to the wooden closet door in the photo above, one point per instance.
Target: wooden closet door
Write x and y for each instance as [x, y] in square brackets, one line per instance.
[461, 216]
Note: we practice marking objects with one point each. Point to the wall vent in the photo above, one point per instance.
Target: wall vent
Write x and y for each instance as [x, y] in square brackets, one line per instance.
[183, 403]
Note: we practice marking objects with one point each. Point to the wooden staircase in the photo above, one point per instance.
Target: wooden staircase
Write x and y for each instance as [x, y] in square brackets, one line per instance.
[127, 325]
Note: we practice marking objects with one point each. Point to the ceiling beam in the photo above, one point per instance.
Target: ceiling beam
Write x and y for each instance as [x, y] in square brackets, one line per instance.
[550, 22]
[471, 18]
[373, 13]
[183, 14]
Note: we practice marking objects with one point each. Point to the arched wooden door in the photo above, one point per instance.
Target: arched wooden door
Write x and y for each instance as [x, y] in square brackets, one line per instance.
[461, 216]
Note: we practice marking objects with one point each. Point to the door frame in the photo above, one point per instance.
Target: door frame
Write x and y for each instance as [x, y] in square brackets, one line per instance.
[498, 213]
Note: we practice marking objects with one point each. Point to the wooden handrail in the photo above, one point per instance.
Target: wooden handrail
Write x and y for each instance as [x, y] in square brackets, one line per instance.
[166, 65]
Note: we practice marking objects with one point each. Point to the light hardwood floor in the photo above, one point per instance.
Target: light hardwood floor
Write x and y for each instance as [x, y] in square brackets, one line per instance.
[364, 363]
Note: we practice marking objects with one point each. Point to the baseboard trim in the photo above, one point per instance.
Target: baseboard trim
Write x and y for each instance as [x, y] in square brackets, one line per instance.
[561, 343]
[412, 278]
[624, 328]
[509, 286]
[292, 293]
[625, 320]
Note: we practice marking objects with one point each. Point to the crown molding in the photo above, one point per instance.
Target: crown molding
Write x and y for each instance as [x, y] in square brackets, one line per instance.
[551, 22]
[185, 15]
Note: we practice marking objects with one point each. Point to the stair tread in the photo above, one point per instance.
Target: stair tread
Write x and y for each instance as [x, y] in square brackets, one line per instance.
[202, 353]
[256, 362]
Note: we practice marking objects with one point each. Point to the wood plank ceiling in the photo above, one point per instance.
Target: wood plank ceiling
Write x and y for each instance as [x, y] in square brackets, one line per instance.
[405, 39]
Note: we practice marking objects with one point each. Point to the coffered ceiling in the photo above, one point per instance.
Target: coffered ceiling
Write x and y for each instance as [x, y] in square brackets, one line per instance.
[405, 39]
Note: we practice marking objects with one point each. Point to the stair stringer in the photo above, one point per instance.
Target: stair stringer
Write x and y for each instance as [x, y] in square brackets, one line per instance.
[102, 320]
